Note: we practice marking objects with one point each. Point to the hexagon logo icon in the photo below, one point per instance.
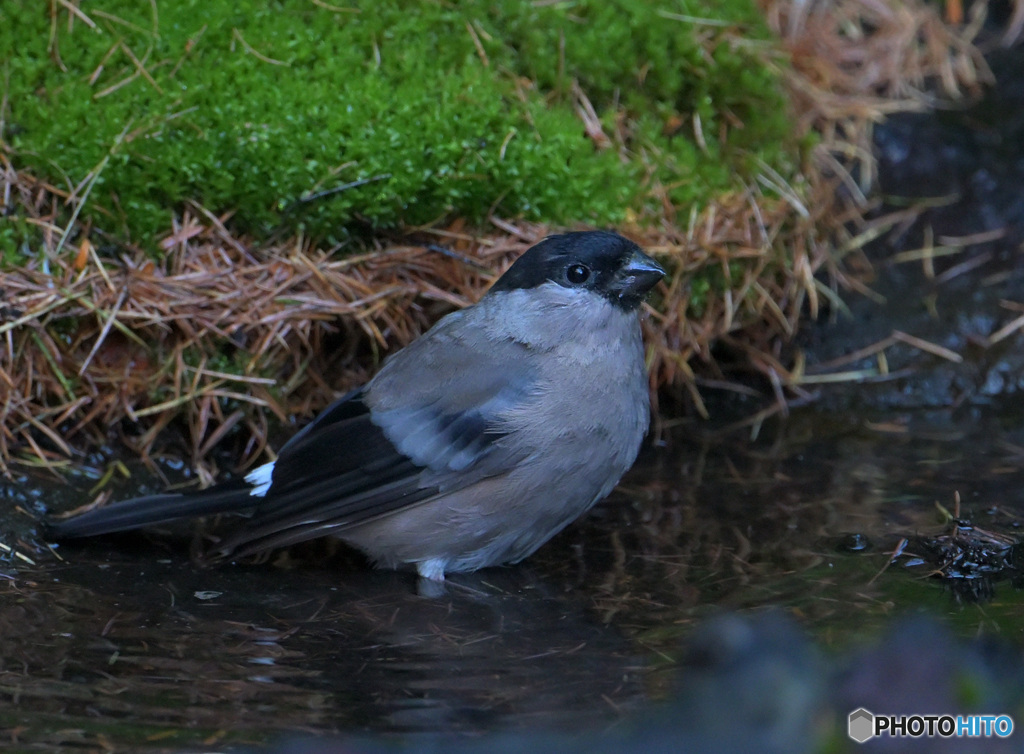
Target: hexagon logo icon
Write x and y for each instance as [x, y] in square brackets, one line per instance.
[861, 726]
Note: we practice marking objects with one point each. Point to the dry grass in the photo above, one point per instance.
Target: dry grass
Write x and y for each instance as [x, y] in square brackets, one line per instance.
[223, 334]
[856, 61]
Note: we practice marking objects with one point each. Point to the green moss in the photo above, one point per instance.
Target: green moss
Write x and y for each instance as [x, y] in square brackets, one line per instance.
[16, 237]
[700, 287]
[250, 106]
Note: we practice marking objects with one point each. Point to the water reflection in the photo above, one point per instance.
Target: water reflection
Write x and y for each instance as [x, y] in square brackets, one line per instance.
[162, 645]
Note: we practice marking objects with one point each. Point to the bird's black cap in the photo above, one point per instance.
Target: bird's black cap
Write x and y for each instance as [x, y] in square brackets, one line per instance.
[596, 260]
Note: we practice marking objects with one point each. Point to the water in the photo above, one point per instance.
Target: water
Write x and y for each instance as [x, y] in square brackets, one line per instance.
[125, 643]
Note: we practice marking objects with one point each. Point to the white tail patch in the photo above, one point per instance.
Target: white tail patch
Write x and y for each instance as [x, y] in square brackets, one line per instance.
[261, 478]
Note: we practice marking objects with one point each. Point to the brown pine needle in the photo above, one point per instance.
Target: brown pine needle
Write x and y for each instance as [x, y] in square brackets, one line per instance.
[924, 345]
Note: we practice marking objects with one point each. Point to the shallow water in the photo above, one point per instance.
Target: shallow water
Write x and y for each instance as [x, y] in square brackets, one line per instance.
[124, 643]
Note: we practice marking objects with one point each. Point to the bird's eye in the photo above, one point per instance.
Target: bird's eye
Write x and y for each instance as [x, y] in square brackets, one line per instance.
[577, 274]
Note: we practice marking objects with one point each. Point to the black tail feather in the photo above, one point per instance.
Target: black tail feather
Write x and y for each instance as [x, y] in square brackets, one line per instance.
[151, 510]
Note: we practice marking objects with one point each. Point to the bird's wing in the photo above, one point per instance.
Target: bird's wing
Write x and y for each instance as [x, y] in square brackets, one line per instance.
[430, 422]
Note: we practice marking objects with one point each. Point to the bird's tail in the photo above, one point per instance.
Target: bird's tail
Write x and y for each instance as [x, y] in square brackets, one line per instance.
[153, 509]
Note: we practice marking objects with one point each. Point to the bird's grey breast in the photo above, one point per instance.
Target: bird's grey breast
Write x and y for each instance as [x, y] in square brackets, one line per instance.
[592, 384]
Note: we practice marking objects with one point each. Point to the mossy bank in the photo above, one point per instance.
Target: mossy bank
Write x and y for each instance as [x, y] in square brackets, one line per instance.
[326, 118]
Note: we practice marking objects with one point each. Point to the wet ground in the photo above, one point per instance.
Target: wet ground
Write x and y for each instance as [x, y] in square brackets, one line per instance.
[125, 644]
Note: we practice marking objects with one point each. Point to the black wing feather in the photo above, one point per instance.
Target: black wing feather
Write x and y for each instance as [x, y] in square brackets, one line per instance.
[342, 470]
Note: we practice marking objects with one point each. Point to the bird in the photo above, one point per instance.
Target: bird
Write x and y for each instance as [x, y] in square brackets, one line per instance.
[473, 445]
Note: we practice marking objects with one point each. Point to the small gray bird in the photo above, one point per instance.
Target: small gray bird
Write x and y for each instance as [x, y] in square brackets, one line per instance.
[473, 445]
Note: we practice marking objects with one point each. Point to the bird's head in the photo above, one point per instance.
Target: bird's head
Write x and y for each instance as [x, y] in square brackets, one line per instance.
[599, 261]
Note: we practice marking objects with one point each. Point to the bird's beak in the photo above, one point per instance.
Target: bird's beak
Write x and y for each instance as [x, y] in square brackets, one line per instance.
[637, 276]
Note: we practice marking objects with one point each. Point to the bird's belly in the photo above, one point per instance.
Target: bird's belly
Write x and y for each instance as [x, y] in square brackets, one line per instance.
[497, 520]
